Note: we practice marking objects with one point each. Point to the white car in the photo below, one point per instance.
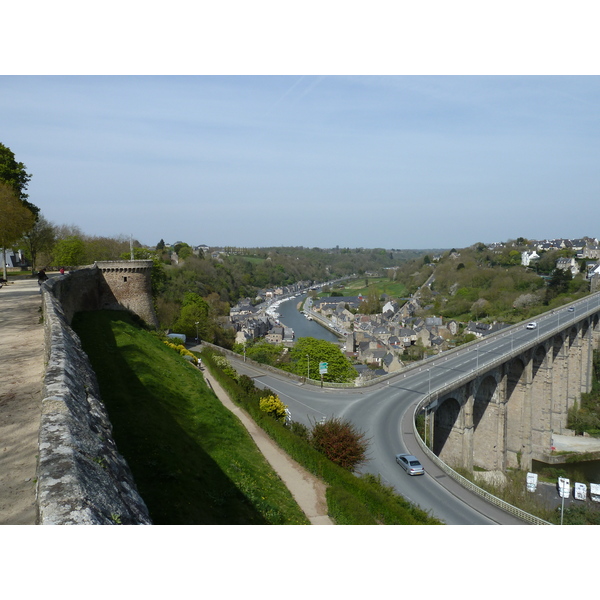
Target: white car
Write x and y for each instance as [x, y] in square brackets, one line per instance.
[532, 325]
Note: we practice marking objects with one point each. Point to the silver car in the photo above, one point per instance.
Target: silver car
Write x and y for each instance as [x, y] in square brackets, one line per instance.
[410, 464]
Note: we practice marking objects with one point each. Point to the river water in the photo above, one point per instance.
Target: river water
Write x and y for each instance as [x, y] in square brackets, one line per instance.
[290, 316]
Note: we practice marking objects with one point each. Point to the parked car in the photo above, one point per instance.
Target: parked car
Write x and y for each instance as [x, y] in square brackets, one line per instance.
[532, 325]
[410, 464]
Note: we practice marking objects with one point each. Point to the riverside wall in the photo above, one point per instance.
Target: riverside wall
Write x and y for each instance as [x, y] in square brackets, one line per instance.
[82, 478]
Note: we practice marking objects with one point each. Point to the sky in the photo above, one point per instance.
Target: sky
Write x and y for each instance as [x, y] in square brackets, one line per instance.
[435, 126]
[355, 161]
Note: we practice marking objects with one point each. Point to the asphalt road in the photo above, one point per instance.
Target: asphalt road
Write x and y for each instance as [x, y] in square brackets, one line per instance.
[384, 413]
[379, 412]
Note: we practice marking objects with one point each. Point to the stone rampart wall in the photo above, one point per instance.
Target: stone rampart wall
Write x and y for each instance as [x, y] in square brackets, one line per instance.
[82, 478]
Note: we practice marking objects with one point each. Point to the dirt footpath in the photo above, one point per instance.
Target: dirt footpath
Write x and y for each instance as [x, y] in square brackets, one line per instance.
[307, 490]
[22, 359]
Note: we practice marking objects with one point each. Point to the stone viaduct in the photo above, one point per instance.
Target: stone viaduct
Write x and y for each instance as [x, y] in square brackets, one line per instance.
[503, 415]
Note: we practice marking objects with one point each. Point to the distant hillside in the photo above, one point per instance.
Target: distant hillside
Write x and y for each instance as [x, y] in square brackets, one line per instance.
[479, 283]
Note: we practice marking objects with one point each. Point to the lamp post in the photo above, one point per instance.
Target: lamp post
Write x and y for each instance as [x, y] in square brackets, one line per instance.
[307, 367]
[429, 377]
[197, 323]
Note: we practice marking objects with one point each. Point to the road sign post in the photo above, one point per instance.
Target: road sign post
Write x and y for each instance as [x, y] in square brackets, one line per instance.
[322, 370]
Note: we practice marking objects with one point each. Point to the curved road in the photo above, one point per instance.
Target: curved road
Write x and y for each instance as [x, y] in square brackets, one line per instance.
[384, 412]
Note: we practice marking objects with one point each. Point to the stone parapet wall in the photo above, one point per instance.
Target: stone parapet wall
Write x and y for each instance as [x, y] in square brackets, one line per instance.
[82, 478]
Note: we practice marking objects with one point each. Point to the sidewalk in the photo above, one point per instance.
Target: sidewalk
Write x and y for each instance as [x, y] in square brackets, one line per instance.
[20, 399]
[307, 490]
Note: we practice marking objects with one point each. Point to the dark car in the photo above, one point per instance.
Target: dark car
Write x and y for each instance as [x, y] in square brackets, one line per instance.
[410, 464]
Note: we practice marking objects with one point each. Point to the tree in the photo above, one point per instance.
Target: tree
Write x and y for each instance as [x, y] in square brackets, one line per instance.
[341, 442]
[558, 283]
[372, 305]
[194, 310]
[13, 173]
[40, 238]
[308, 352]
[69, 251]
[15, 219]
[480, 308]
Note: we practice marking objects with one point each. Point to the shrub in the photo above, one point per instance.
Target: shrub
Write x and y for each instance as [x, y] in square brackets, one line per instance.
[341, 442]
[274, 407]
[300, 430]
[183, 351]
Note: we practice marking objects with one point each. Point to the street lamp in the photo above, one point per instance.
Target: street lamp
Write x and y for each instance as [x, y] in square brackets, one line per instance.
[308, 367]
[197, 323]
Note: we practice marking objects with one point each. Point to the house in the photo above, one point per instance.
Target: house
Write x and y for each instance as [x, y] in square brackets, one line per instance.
[568, 264]
[528, 256]
[453, 327]
[14, 260]
[591, 251]
[275, 335]
[594, 271]
[391, 362]
[390, 309]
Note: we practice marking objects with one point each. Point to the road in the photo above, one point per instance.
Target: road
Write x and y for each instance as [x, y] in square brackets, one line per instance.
[384, 413]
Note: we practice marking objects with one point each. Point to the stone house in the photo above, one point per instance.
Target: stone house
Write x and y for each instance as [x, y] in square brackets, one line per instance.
[591, 251]
[275, 335]
[568, 264]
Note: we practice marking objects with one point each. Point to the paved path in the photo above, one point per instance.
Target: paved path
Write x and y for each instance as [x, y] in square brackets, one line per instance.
[21, 372]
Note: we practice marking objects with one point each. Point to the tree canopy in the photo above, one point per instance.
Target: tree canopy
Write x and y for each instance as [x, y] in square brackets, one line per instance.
[14, 174]
[15, 219]
[308, 352]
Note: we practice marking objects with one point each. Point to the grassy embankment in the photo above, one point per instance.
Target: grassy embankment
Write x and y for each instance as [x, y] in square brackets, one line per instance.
[191, 458]
[351, 500]
[382, 285]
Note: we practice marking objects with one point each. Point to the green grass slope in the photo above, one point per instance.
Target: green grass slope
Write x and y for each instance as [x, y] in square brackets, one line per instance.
[192, 459]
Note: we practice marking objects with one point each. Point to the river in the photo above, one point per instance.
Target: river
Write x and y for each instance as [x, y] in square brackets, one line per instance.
[290, 316]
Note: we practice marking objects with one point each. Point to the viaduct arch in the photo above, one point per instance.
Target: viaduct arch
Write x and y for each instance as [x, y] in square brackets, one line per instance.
[504, 416]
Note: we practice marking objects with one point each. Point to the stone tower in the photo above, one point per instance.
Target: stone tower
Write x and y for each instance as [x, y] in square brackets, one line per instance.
[127, 284]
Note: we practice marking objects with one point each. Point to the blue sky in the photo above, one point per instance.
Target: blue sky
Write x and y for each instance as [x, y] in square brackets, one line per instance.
[357, 161]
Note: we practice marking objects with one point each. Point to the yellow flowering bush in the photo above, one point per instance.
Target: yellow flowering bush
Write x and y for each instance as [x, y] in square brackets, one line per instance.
[273, 406]
[183, 351]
